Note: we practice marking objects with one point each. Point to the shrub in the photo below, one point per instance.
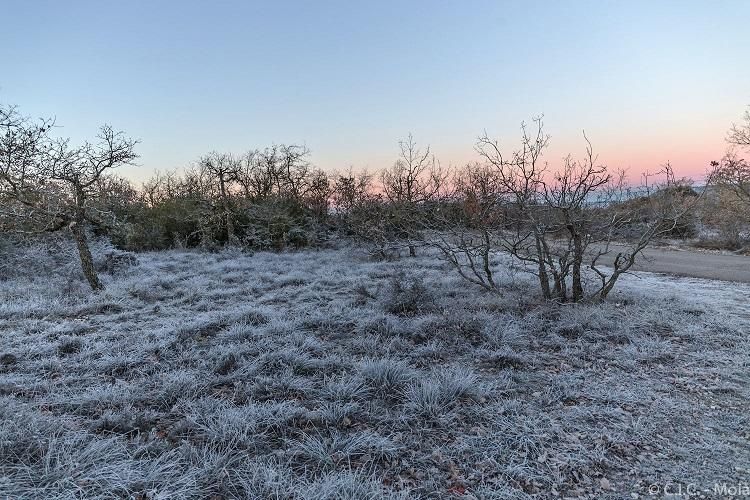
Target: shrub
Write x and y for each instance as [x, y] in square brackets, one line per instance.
[408, 300]
[117, 261]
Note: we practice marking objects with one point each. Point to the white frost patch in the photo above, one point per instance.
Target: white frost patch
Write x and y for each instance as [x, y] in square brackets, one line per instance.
[721, 296]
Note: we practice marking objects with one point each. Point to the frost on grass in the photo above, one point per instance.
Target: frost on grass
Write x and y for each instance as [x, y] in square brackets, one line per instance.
[323, 375]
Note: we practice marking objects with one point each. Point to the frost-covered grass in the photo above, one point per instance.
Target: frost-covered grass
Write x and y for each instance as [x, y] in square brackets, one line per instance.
[323, 375]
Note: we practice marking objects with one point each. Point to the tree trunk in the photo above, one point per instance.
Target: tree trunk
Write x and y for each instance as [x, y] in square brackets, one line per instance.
[561, 291]
[543, 276]
[84, 252]
[577, 261]
[608, 286]
[486, 259]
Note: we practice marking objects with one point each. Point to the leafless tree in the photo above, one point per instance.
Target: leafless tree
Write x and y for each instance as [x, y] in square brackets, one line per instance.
[728, 203]
[281, 171]
[568, 196]
[292, 172]
[161, 187]
[80, 170]
[47, 184]
[656, 213]
[733, 174]
[557, 222]
[465, 225]
[351, 190]
[257, 174]
[729, 209]
[223, 169]
[529, 221]
[414, 179]
[360, 210]
[739, 134]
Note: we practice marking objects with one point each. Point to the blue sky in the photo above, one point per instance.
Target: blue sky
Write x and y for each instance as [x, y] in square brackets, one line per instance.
[648, 81]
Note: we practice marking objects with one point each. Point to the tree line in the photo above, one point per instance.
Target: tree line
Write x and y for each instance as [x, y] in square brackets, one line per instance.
[555, 222]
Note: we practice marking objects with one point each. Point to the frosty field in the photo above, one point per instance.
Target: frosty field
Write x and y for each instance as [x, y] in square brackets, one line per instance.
[324, 375]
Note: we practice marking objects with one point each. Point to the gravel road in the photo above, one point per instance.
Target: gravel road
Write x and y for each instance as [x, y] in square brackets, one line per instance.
[694, 264]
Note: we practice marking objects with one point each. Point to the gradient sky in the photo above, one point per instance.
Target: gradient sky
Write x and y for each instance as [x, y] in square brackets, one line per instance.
[649, 81]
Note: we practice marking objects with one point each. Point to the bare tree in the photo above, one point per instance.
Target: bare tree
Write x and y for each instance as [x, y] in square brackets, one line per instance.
[161, 187]
[656, 213]
[414, 179]
[317, 194]
[557, 222]
[739, 134]
[568, 197]
[350, 190]
[362, 211]
[728, 203]
[733, 174]
[729, 200]
[281, 171]
[223, 169]
[465, 225]
[528, 221]
[48, 185]
[292, 172]
[257, 173]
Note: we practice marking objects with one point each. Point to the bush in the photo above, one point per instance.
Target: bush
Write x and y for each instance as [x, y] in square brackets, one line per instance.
[117, 261]
[187, 222]
[408, 300]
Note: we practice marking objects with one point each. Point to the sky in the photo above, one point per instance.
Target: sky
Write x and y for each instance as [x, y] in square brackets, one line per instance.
[648, 81]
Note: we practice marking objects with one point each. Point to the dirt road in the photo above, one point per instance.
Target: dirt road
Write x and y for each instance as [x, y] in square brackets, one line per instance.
[694, 264]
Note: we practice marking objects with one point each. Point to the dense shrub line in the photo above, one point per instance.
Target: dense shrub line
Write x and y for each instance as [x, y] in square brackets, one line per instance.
[556, 221]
